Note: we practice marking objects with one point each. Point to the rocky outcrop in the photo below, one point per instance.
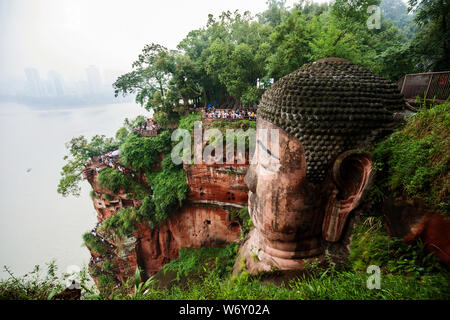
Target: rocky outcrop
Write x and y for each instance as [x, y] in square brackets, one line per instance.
[217, 184]
[409, 220]
[205, 219]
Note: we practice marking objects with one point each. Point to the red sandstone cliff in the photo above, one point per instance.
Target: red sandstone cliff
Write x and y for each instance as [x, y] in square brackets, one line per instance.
[203, 220]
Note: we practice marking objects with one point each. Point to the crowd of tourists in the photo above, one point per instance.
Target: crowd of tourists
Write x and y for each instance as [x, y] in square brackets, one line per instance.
[148, 126]
[230, 114]
[111, 160]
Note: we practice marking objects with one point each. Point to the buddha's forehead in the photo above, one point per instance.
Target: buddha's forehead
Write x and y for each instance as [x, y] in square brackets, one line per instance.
[330, 106]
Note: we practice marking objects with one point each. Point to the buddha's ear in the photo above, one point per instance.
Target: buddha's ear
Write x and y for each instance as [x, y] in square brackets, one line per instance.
[352, 174]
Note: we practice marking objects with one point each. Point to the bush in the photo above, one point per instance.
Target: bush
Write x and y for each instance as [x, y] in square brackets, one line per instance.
[416, 160]
[191, 261]
[115, 181]
[38, 286]
[169, 189]
[243, 216]
[143, 152]
[95, 244]
[122, 224]
[187, 122]
[372, 246]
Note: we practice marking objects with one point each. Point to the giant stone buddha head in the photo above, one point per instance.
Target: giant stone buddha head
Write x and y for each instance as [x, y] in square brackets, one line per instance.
[326, 113]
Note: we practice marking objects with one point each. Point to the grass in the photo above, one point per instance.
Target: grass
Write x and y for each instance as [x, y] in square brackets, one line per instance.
[206, 275]
[415, 161]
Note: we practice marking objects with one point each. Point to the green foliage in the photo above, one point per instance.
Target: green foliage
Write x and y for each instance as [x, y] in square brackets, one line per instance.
[169, 189]
[372, 246]
[140, 289]
[416, 160]
[94, 244]
[115, 181]
[241, 128]
[243, 216]
[187, 122]
[143, 152]
[204, 282]
[105, 284]
[233, 125]
[149, 79]
[81, 150]
[35, 285]
[431, 45]
[122, 224]
[218, 261]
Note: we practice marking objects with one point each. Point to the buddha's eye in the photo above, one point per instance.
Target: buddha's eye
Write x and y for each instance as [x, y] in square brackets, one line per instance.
[267, 162]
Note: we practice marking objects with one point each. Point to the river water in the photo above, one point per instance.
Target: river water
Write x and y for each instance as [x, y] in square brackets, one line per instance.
[37, 224]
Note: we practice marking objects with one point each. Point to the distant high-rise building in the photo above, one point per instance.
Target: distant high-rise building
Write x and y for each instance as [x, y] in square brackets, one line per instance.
[94, 80]
[34, 85]
[57, 83]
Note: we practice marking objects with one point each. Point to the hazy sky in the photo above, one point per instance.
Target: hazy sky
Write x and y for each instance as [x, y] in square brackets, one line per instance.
[69, 35]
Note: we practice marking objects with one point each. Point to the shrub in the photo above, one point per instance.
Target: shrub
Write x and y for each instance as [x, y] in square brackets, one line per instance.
[95, 244]
[116, 181]
[121, 224]
[169, 189]
[243, 216]
[187, 122]
[191, 261]
[416, 160]
[143, 152]
[372, 246]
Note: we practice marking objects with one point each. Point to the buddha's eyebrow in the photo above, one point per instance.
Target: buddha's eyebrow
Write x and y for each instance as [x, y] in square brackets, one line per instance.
[267, 150]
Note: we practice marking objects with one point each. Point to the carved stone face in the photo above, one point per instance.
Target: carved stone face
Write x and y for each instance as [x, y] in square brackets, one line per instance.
[291, 215]
[325, 112]
[285, 207]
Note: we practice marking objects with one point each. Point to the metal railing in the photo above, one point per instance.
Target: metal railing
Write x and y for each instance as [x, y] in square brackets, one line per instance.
[427, 86]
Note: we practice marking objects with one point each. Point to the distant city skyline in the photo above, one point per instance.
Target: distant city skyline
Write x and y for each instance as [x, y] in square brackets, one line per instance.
[54, 84]
[68, 36]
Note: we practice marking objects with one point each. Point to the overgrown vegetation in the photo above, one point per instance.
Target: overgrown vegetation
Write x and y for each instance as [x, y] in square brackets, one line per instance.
[115, 181]
[187, 122]
[169, 190]
[95, 244]
[40, 284]
[407, 272]
[225, 58]
[205, 273]
[243, 216]
[372, 246]
[415, 161]
[81, 150]
[141, 153]
[218, 261]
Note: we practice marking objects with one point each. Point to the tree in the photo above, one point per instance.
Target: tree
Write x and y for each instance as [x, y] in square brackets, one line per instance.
[274, 15]
[149, 78]
[291, 41]
[431, 46]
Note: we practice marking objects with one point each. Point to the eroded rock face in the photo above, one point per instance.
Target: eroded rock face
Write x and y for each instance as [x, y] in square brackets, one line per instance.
[195, 226]
[217, 183]
[203, 221]
[410, 221]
